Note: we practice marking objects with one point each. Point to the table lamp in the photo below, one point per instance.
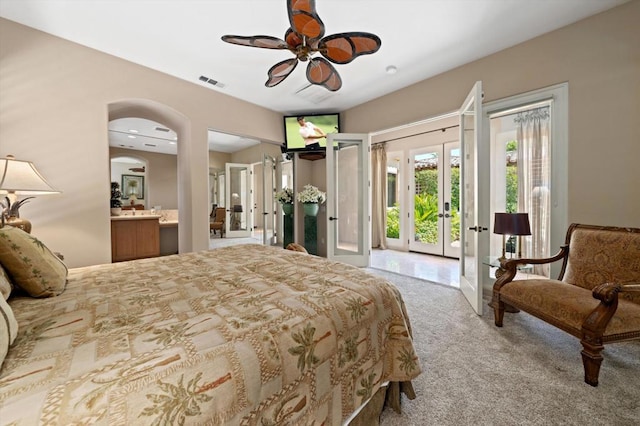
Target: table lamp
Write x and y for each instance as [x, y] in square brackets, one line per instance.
[18, 177]
[511, 224]
[502, 226]
[521, 227]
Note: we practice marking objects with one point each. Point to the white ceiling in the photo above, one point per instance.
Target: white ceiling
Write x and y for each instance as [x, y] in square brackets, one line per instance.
[421, 38]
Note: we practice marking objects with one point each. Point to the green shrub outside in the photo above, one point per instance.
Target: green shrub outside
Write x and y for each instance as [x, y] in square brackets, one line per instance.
[393, 221]
[426, 208]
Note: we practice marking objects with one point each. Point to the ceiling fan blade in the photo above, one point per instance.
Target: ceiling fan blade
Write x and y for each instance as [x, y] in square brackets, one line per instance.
[321, 72]
[303, 18]
[266, 42]
[345, 47]
[292, 38]
[280, 71]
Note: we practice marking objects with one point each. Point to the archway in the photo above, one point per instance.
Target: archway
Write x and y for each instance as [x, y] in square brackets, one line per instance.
[154, 111]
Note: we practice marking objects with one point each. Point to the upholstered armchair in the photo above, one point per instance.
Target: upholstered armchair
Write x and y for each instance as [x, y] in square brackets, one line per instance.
[596, 297]
[216, 221]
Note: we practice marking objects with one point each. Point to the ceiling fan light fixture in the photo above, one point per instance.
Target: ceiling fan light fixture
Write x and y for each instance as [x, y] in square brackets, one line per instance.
[304, 38]
[391, 69]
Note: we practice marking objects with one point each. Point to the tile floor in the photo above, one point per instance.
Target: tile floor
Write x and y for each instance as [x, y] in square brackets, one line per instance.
[437, 269]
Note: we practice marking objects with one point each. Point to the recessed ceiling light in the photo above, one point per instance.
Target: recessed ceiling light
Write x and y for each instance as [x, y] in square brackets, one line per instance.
[392, 69]
[133, 131]
[172, 143]
[131, 137]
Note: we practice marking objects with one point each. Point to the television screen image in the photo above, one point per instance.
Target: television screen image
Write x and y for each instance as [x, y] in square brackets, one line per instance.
[299, 135]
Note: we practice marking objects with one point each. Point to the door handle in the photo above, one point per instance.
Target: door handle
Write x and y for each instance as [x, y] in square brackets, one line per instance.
[477, 228]
[333, 218]
[265, 213]
[447, 215]
[440, 215]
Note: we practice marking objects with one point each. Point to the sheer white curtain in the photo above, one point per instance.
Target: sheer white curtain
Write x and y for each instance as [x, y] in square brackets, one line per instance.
[534, 182]
[379, 196]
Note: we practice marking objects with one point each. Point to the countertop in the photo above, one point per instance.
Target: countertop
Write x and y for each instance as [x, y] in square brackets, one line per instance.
[136, 217]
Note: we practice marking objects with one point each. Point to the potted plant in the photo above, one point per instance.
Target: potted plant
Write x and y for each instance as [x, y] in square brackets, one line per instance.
[285, 197]
[311, 197]
[116, 202]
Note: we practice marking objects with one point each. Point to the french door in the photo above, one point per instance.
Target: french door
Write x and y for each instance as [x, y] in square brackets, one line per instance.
[434, 213]
[238, 200]
[474, 192]
[348, 224]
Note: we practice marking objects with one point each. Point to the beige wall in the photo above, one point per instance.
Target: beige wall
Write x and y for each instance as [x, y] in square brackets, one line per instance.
[54, 111]
[599, 57]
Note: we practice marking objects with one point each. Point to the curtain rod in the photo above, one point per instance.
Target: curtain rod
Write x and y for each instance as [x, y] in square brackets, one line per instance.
[443, 129]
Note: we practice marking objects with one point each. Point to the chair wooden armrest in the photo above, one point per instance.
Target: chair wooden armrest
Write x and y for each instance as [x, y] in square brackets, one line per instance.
[607, 293]
[510, 266]
[597, 320]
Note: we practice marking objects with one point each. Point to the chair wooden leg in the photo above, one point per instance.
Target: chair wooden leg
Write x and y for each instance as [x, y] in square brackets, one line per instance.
[498, 312]
[591, 360]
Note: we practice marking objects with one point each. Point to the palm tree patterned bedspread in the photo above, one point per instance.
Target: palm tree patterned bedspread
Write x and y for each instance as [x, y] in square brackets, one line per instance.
[245, 334]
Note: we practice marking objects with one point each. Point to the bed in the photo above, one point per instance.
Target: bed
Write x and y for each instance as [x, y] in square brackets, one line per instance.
[246, 335]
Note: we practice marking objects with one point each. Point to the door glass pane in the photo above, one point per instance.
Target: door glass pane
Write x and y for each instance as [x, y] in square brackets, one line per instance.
[393, 192]
[468, 257]
[426, 223]
[239, 198]
[453, 209]
[220, 193]
[349, 206]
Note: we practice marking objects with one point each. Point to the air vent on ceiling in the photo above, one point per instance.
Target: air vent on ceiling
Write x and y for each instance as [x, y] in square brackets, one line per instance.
[211, 81]
[150, 144]
[314, 93]
[162, 129]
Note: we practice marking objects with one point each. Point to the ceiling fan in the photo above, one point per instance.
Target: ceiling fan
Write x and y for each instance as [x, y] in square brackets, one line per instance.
[305, 38]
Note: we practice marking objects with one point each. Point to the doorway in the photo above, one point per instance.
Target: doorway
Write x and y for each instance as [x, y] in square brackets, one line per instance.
[434, 200]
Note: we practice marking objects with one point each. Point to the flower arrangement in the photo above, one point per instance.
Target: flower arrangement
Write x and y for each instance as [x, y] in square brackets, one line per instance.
[311, 194]
[285, 196]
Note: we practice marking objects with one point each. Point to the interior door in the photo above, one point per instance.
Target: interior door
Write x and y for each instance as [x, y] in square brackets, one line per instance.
[348, 210]
[238, 200]
[269, 204]
[473, 198]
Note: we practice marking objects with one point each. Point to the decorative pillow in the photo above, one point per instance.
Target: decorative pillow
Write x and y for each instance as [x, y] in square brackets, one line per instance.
[31, 265]
[5, 284]
[8, 328]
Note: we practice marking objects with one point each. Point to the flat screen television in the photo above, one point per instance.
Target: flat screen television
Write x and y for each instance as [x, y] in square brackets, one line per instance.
[293, 138]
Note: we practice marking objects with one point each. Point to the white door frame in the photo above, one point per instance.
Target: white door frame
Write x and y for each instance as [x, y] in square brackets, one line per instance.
[359, 256]
[246, 200]
[474, 197]
[559, 112]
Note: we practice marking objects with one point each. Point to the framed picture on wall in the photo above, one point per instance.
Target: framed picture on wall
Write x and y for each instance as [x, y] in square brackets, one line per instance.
[132, 185]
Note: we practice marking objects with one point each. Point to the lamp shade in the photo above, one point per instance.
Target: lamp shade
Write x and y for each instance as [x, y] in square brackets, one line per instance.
[511, 224]
[22, 178]
[521, 224]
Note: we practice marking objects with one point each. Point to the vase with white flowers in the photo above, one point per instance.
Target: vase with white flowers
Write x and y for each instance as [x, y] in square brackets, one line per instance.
[311, 197]
[285, 197]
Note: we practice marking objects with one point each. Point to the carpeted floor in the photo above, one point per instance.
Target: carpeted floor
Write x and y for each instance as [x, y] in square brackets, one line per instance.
[525, 373]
